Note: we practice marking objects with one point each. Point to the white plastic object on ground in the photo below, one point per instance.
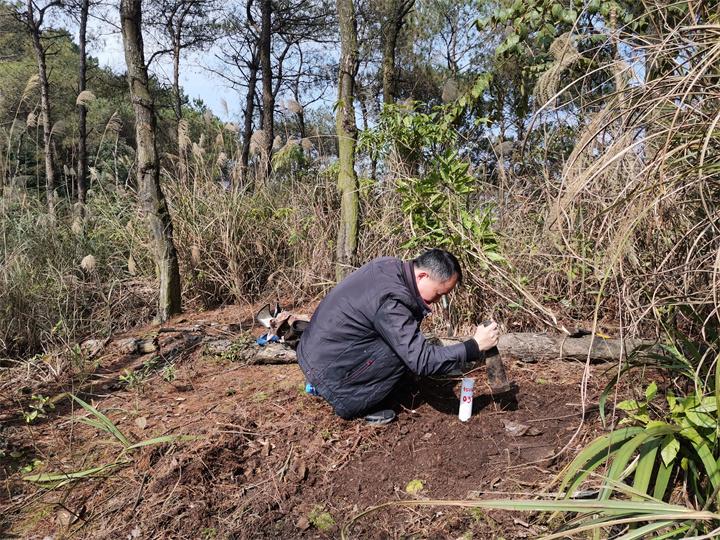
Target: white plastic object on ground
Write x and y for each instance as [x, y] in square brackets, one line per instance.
[466, 399]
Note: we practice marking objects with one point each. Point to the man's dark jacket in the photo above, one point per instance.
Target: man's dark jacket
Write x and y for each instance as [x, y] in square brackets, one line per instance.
[366, 333]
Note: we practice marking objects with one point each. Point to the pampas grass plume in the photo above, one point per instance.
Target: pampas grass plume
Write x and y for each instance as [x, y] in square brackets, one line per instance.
[88, 263]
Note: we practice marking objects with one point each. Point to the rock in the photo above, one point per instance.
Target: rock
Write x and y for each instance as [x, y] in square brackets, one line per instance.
[232, 328]
[92, 347]
[127, 345]
[218, 346]
[147, 346]
[135, 346]
[301, 470]
[516, 429]
[63, 518]
[303, 523]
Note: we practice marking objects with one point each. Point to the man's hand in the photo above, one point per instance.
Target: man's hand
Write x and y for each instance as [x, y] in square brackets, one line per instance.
[487, 335]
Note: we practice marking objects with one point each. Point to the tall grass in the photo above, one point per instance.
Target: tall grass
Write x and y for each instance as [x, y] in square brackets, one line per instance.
[637, 208]
[235, 246]
[48, 295]
[637, 204]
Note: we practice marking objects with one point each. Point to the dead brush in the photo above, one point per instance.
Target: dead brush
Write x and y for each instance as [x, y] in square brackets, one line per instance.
[52, 301]
[637, 206]
[659, 227]
[241, 245]
[631, 221]
[11, 137]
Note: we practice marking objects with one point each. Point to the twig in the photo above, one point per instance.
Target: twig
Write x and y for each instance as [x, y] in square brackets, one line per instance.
[281, 472]
[170, 329]
[344, 460]
[137, 499]
[560, 417]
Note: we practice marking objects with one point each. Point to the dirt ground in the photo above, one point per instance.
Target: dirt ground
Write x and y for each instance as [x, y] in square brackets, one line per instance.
[268, 461]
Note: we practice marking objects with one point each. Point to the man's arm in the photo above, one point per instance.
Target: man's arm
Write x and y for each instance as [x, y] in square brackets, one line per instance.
[395, 323]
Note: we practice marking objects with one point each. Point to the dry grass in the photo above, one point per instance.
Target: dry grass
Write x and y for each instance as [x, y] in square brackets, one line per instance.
[620, 232]
[631, 220]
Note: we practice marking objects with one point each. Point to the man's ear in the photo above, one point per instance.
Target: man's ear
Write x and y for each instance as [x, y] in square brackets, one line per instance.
[421, 274]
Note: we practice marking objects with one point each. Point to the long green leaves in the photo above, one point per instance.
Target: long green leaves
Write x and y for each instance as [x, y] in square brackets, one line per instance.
[678, 438]
[594, 455]
[102, 423]
[56, 480]
[601, 514]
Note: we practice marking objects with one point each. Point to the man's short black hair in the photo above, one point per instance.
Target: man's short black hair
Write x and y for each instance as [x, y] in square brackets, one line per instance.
[440, 264]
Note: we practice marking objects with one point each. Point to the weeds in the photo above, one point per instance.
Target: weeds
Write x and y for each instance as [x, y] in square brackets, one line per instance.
[238, 348]
[48, 299]
[259, 397]
[101, 422]
[208, 533]
[414, 487]
[38, 404]
[321, 519]
[136, 378]
[132, 379]
[168, 373]
[590, 515]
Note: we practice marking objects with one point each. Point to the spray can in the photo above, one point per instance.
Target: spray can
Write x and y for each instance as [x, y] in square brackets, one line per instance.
[466, 399]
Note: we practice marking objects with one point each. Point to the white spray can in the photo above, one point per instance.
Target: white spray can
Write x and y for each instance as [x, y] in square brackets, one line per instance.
[466, 399]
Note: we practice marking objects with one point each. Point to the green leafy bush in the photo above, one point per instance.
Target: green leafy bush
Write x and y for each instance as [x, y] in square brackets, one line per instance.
[666, 440]
[439, 194]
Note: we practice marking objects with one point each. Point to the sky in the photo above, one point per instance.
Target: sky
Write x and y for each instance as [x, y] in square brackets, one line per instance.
[105, 44]
[195, 81]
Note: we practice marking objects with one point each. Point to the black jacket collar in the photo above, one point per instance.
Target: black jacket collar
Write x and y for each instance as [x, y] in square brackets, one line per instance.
[409, 278]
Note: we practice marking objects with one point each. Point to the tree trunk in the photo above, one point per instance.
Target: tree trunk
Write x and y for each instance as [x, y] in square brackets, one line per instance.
[347, 139]
[148, 164]
[177, 99]
[34, 27]
[525, 347]
[296, 95]
[529, 347]
[268, 98]
[301, 122]
[177, 108]
[393, 21]
[82, 168]
[401, 158]
[363, 97]
[249, 111]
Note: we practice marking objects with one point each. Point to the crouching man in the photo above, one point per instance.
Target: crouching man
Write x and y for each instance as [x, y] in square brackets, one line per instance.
[365, 334]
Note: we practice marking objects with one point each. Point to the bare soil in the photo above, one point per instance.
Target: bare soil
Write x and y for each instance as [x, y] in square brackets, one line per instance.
[270, 461]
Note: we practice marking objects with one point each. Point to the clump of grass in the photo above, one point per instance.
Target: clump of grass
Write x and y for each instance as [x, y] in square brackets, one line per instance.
[259, 397]
[320, 518]
[239, 246]
[414, 486]
[48, 296]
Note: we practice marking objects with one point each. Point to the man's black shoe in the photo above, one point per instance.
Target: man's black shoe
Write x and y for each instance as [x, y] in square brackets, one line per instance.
[379, 418]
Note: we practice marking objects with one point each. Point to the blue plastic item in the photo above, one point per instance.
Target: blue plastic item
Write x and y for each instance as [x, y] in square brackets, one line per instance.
[263, 340]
